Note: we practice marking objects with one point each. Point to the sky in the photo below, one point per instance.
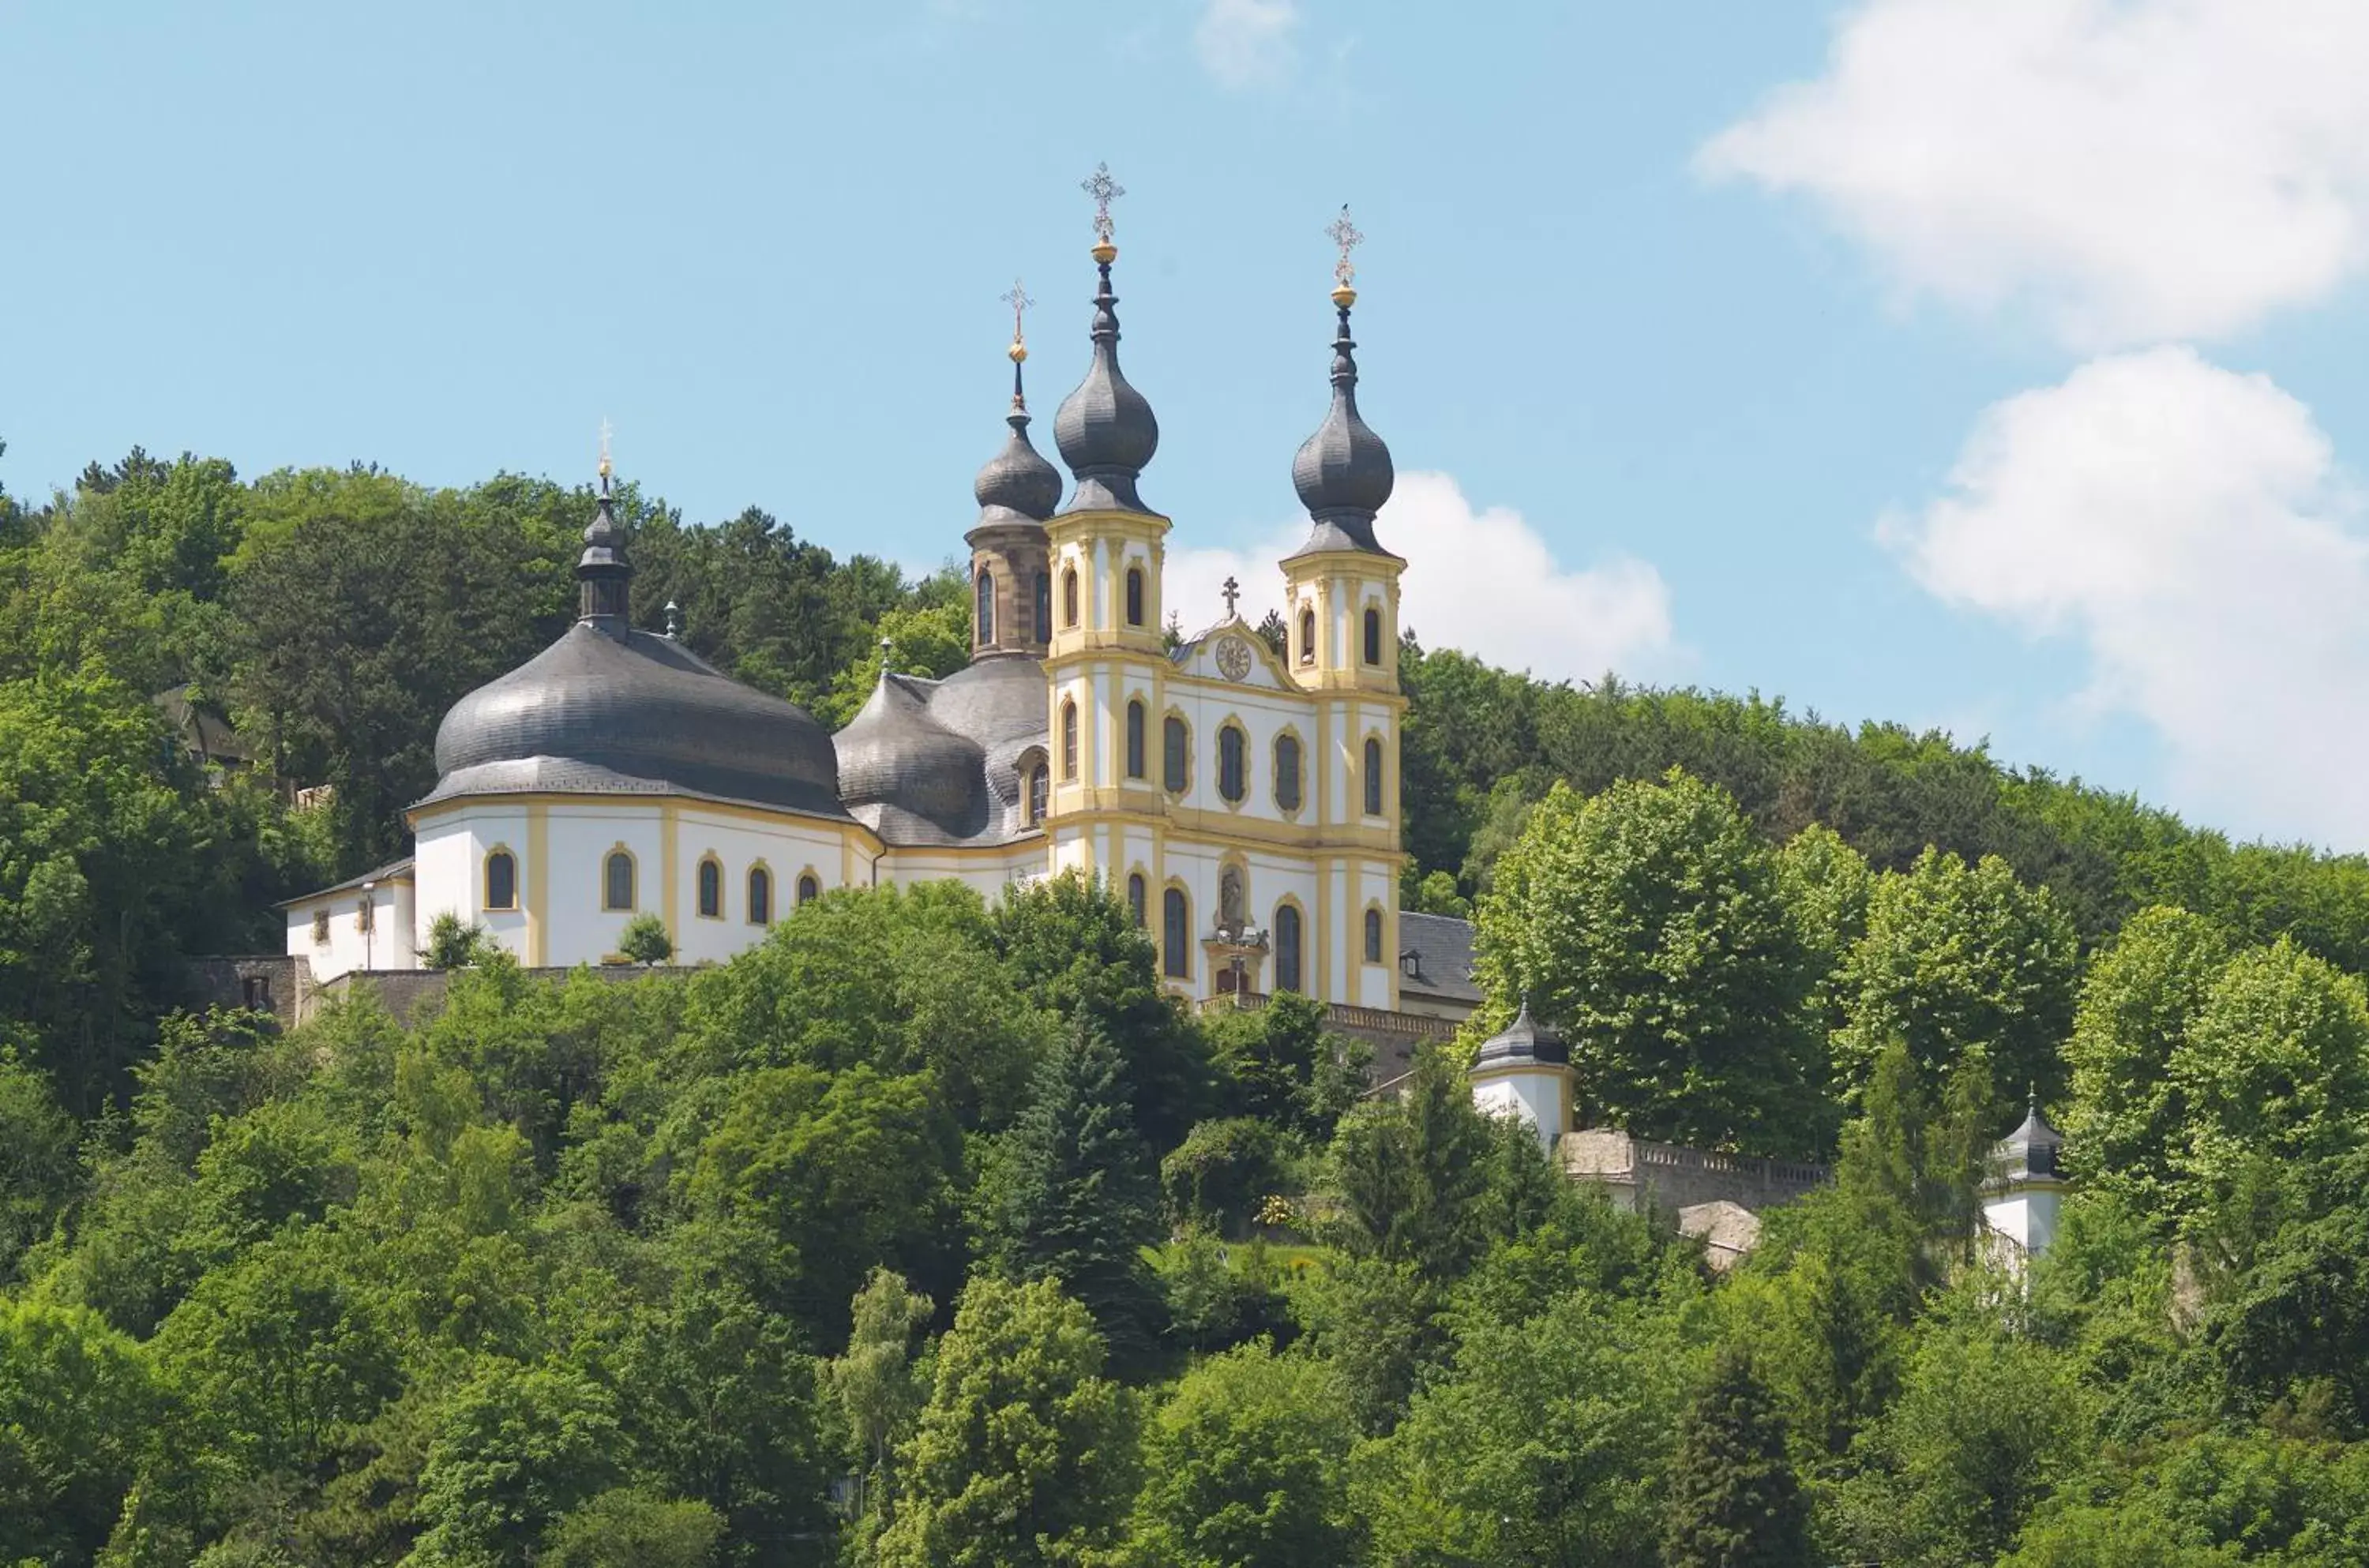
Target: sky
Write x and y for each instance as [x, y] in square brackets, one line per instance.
[1991, 365]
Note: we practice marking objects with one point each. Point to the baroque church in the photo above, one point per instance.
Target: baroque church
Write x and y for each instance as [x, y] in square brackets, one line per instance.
[1245, 802]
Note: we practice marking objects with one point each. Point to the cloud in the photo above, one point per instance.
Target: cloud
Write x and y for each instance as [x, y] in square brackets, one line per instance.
[2138, 169]
[1247, 43]
[1482, 581]
[2190, 529]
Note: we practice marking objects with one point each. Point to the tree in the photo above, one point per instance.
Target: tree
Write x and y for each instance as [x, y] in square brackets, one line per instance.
[78, 1403]
[644, 940]
[38, 1170]
[1069, 1194]
[1411, 1174]
[629, 1528]
[879, 1390]
[1221, 1175]
[1245, 1463]
[1734, 1500]
[516, 1448]
[1023, 1455]
[1648, 924]
[1958, 960]
[453, 943]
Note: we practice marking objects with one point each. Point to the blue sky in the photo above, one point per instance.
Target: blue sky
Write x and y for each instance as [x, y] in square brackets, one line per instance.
[1987, 364]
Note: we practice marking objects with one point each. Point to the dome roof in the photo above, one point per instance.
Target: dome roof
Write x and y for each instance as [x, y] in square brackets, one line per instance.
[1523, 1043]
[898, 763]
[1343, 472]
[994, 700]
[1105, 428]
[612, 710]
[1017, 484]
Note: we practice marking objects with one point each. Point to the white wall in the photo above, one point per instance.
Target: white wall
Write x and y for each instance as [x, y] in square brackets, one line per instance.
[2025, 1216]
[386, 944]
[1536, 1098]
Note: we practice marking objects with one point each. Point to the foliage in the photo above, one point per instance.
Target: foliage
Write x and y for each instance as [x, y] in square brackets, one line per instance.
[644, 940]
[453, 943]
[1734, 1501]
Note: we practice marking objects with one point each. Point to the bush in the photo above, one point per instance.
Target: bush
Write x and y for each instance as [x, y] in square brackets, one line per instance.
[644, 940]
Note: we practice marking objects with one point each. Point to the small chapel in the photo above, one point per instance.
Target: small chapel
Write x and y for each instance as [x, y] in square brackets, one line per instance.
[1243, 800]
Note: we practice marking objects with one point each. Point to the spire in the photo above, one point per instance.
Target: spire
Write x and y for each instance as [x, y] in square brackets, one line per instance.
[1343, 472]
[1017, 484]
[604, 574]
[1105, 428]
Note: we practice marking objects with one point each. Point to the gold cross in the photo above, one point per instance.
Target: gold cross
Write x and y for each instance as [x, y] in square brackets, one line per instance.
[1104, 190]
[1345, 233]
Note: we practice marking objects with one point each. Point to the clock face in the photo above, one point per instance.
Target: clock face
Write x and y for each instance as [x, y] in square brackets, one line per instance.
[1234, 658]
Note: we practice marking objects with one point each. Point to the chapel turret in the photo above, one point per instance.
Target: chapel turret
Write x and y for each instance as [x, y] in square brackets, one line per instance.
[1012, 584]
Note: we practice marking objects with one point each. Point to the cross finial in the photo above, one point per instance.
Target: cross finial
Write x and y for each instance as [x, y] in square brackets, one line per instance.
[1230, 590]
[887, 656]
[1345, 233]
[604, 447]
[1017, 298]
[1104, 190]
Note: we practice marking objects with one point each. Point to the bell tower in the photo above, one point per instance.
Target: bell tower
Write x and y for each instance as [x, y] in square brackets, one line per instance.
[1011, 579]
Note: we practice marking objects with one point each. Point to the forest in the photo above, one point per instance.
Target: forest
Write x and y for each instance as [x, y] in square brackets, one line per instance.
[932, 1232]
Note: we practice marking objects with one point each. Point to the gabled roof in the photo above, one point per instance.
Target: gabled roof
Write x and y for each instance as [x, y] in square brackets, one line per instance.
[1440, 947]
[392, 871]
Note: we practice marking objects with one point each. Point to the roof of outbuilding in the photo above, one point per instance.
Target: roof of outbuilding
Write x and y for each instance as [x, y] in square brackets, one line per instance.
[1441, 946]
[392, 871]
[1523, 1042]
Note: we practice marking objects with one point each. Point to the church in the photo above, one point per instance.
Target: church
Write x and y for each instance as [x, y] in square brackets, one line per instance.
[1243, 801]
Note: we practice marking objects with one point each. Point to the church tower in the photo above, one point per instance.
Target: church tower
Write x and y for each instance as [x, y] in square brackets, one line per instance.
[1105, 664]
[1341, 590]
[1012, 582]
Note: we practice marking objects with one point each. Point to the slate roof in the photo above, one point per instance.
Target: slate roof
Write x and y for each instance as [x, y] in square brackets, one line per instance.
[1441, 949]
[392, 871]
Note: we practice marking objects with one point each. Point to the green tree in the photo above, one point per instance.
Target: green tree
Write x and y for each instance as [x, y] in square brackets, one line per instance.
[1649, 923]
[629, 1528]
[645, 938]
[455, 944]
[78, 1404]
[1221, 1175]
[1734, 1500]
[879, 1389]
[516, 1449]
[37, 1170]
[1025, 1452]
[1244, 1466]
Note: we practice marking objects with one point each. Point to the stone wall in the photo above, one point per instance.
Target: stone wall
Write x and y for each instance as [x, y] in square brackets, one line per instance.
[1641, 1175]
[267, 982]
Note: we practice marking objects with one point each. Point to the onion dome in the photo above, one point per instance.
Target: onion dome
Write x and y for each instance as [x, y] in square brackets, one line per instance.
[2030, 1150]
[1523, 1043]
[1105, 428]
[907, 776]
[1343, 472]
[604, 574]
[1017, 485]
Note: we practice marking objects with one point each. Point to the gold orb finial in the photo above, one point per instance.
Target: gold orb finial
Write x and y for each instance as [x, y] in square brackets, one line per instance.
[1017, 352]
[604, 449]
[1343, 295]
[1104, 252]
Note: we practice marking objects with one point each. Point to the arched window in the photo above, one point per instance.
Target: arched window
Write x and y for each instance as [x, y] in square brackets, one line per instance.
[1069, 740]
[1286, 772]
[1135, 596]
[1373, 635]
[1308, 636]
[808, 888]
[1286, 947]
[501, 880]
[617, 881]
[1176, 755]
[985, 619]
[1069, 596]
[1044, 607]
[1373, 778]
[711, 888]
[1234, 771]
[1135, 897]
[1135, 742]
[1040, 790]
[1373, 936]
[761, 895]
[1175, 935]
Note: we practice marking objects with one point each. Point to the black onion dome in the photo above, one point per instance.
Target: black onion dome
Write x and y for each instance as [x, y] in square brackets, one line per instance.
[1017, 482]
[1523, 1043]
[1105, 428]
[1343, 472]
[608, 710]
[898, 764]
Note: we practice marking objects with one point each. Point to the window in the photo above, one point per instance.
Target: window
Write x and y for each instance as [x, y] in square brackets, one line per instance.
[1069, 740]
[1069, 596]
[362, 920]
[1175, 938]
[617, 881]
[254, 993]
[985, 619]
[711, 888]
[1232, 769]
[320, 928]
[501, 881]
[1373, 936]
[1286, 772]
[1135, 596]
[1040, 789]
[1135, 899]
[1286, 947]
[1308, 636]
[1373, 778]
[1044, 607]
[761, 895]
[1373, 636]
[1176, 755]
[808, 888]
[1135, 721]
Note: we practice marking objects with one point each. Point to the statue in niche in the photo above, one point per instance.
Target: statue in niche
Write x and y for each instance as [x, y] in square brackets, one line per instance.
[1233, 904]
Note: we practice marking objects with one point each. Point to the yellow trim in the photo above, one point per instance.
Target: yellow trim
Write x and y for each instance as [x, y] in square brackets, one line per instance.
[773, 893]
[669, 867]
[486, 880]
[591, 808]
[619, 848]
[538, 880]
[710, 858]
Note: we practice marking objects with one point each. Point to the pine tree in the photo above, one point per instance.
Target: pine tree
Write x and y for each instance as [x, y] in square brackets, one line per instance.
[1734, 1499]
[1069, 1194]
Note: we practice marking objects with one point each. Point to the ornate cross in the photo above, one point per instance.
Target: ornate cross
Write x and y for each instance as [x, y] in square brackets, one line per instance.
[1019, 300]
[1104, 190]
[1232, 590]
[1344, 235]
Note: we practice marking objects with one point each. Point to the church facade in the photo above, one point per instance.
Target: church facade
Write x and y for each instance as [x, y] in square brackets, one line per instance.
[1243, 801]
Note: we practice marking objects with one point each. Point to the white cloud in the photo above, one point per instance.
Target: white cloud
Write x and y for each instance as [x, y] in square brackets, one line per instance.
[2191, 529]
[1247, 43]
[2140, 170]
[1482, 581]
